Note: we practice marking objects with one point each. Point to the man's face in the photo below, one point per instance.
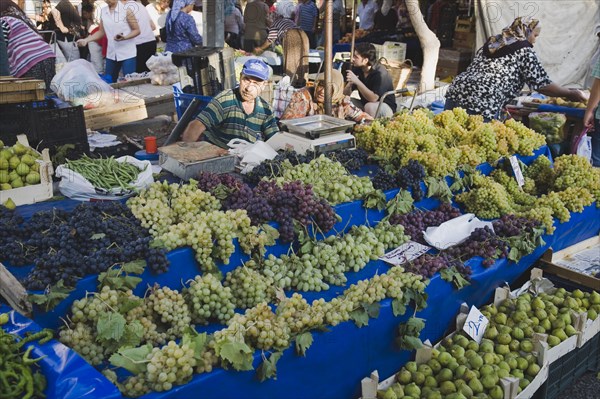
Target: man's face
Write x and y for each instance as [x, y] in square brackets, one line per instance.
[250, 87]
[359, 61]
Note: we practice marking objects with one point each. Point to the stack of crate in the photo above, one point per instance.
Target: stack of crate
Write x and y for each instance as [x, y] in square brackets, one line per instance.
[464, 33]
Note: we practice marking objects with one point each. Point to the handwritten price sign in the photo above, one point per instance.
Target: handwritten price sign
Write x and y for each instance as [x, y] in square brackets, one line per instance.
[405, 253]
[475, 324]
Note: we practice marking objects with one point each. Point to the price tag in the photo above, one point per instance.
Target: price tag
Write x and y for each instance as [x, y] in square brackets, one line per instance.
[405, 253]
[514, 162]
[475, 324]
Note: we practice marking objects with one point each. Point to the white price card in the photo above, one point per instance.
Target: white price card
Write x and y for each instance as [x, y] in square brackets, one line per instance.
[405, 253]
[514, 162]
[475, 324]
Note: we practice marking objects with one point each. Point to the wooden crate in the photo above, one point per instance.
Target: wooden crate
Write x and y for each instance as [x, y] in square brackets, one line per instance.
[17, 90]
[464, 40]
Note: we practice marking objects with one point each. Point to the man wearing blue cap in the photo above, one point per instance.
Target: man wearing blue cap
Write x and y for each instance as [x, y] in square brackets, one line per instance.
[237, 113]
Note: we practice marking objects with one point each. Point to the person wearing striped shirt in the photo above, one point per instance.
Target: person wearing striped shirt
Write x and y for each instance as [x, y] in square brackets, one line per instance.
[238, 113]
[28, 54]
[306, 19]
[281, 24]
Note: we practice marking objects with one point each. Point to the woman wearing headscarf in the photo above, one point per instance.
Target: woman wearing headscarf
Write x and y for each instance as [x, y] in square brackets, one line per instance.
[182, 32]
[303, 104]
[500, 70]
[234, 24]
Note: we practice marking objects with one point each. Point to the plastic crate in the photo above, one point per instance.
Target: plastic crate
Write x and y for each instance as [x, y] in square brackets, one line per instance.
[209, 70]
[16, 119]
[566, 370]
[183, 100]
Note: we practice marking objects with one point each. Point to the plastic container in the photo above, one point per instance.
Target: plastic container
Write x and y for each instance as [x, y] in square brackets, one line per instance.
[183, 100]
[150, 144]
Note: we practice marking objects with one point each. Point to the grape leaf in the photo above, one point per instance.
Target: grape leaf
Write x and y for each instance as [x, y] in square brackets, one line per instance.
[398, 308]
[128, 304]
[452, 275]
[271, 232]
[134, 267]
[97, 236]
[438, 188]
[268, 368]
[110, 325]
[408, 333]
[372, 309]
[360, 317]
[237, 353]
[132, 359]
[415, 324]
[303, 342]
[52, 296]
[374, 199]
[419, 298]
[195, 340]
[410, 343]
[402, 203]
[132, 335]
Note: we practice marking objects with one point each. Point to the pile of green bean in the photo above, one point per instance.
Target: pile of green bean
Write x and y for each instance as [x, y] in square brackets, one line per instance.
[105, 173]
[18, 378]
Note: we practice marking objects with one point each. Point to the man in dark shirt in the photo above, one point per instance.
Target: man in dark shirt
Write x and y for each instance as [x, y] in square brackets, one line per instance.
[372, 81]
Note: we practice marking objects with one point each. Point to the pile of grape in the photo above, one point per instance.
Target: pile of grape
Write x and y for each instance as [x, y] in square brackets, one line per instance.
[71, 245]
[288, 204]
[407, 177]
[183, 215]
[446, 141]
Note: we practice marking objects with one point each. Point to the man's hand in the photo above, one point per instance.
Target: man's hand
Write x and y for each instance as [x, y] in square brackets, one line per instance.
[351, 77]
[578, 96]
[588, 119]
[193, 131]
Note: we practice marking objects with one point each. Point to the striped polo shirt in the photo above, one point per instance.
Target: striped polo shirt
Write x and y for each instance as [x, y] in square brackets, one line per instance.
[278, 29]
[307, 13]
[25, 46]
[225, 119]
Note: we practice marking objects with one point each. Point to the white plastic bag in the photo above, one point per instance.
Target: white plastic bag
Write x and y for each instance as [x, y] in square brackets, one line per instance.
[78, 83]
[77, 187]
[584, 148]
[454, 231]
[250, 154]
[162, 69]
[282, 95]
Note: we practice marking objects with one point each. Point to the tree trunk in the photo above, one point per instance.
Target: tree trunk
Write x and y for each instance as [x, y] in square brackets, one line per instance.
[429, 43]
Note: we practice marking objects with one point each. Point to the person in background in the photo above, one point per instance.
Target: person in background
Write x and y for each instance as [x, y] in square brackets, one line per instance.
[303, 104]
[4, 71]
[196, 14]
[237, 113]
[281, 24]
[338, 13]
[145, 42]
[386, 18]
[255, 20]
[8, 8]
[372, 81]
[182, 33]
[500, 70]
[120, 27]
[68, 24]
[366, 13]
[589, 79]
[91, 16]
[307, 15]
[591, 122]
[234, 24]
[158, 14]
[28, 54]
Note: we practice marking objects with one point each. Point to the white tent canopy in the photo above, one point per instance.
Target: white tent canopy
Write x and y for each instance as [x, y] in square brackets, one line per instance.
[568, 39]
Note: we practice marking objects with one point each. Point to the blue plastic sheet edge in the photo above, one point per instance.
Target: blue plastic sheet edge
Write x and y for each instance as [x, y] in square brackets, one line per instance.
[67, 374]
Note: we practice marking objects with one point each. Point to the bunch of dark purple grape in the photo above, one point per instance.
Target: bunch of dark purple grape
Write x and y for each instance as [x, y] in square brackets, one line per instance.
[511, 225]
[417, 221]
[407, 177]
[271, 168]
[428, 264]
[351, 159]
[293, 202]
[71, 245]
[482, 242]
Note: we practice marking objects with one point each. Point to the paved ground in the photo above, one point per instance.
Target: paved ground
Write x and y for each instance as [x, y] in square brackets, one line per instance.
[586, 387]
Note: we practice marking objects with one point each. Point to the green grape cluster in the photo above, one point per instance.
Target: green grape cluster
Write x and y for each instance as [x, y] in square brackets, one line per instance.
[488, 199]
[299, 272]
[329, 179]
[248, 286]
[172, 364]
[208, 300]
[82, 339]
[576, 171]
[170, 308]
[529, 140]
[299, 315]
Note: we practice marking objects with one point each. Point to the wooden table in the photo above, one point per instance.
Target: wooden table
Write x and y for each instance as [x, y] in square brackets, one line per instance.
[138, 100]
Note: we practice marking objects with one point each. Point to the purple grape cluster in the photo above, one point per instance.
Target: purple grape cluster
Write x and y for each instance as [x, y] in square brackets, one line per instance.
[511, 225]
[417, 221]
[352, 159]
[292, 202]
[407, 177]
[482, 242]
[384, 181]
[429, 264]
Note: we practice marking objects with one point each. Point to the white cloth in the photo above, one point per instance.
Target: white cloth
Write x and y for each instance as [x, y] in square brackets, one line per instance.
[366, 15]
[160, 20]
[116, 23]
[143, 18]
[197, 15]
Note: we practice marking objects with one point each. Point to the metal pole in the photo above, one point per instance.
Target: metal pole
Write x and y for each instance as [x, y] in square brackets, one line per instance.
[213, 18]
[353, 27]
[328, 54]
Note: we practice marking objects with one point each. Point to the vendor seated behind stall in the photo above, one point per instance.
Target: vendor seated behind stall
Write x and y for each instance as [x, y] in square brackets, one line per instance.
[236, 113]
[372, 81]
[304, 104]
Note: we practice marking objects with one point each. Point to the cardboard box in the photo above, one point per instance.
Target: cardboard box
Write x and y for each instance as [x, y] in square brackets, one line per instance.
[35, 193]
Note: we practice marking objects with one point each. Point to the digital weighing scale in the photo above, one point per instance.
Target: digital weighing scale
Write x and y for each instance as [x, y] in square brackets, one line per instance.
[318, 133]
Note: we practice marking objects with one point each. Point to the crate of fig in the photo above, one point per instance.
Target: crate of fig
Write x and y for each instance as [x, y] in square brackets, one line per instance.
[110, 178]
[25, 174]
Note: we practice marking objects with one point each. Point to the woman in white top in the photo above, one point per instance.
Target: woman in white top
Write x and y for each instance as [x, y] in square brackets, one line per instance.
[120, 27]
[146, 41]
[158, 14]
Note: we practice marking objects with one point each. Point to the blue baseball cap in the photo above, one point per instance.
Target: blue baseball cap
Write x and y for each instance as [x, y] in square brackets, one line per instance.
[256, 68]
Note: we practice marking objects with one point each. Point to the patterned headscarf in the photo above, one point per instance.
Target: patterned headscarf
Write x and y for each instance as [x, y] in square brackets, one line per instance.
[337, 85]
[177, 6]
[518, 31]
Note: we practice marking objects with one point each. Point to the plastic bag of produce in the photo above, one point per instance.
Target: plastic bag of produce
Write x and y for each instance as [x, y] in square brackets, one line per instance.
[250, 154]
[550, 124]
[75, 186]
[79, 83]
[582, 145]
